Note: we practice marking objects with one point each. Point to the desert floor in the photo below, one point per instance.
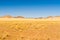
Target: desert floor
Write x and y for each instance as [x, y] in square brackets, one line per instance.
[29, 29]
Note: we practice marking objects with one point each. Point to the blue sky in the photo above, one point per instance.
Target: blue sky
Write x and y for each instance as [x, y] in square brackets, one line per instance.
[30, 8]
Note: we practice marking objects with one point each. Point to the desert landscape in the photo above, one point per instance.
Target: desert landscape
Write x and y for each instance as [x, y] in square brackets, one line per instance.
[29, 19]
[29, 29]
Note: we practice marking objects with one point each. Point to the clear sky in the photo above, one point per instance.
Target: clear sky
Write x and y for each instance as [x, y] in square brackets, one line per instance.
[30, 8]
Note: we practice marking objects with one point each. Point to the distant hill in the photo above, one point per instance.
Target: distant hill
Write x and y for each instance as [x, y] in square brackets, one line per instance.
[49, 17]
[7, 16]
[19, 17]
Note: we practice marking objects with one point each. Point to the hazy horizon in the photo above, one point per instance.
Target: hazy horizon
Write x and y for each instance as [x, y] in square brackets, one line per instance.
[30, 8]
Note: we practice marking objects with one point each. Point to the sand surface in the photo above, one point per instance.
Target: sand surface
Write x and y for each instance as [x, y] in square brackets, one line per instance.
[29, 29]
[47, 19]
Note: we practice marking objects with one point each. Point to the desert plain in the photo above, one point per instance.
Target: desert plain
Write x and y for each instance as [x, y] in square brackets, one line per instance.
[29, 29]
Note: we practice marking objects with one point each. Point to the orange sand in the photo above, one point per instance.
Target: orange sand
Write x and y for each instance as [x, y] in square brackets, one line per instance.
[29, 29]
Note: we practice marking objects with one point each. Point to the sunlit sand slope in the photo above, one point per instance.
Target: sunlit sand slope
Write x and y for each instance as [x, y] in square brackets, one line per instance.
[29, 29]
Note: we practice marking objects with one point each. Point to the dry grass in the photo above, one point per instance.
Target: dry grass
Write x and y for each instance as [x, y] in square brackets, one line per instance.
[29, 30]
